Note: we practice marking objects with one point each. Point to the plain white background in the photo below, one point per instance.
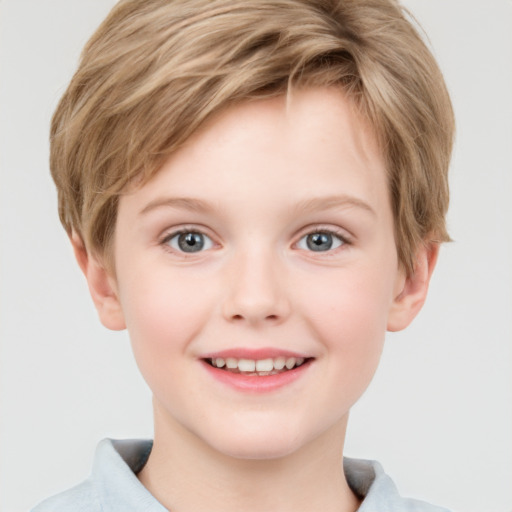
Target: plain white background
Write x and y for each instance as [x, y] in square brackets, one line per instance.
[438, 414]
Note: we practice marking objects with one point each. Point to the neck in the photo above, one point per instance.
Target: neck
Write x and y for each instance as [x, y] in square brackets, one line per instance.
[185, 474]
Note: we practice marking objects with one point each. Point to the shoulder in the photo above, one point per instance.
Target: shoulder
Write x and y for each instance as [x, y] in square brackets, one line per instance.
[378, 492]
[80, 498]
[113, 485]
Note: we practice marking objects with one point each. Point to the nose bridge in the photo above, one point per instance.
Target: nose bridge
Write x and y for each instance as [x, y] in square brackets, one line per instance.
[256, 286]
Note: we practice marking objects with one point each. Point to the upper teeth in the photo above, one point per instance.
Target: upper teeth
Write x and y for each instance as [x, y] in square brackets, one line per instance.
[257, 365]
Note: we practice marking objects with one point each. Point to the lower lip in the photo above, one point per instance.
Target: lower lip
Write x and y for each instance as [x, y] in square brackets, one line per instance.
[255, 383]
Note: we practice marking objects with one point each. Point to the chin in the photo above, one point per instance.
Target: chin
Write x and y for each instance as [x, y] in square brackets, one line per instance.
[256, 444]
[258, 452]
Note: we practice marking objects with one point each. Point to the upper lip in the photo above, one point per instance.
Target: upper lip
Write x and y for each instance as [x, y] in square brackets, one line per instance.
[255, 354]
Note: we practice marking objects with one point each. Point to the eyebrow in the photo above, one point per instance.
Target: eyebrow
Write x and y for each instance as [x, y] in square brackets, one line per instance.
[338, 201]
[184, 203]
[304, 206]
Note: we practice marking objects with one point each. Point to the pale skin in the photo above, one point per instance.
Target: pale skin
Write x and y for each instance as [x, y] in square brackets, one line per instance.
[293, 250]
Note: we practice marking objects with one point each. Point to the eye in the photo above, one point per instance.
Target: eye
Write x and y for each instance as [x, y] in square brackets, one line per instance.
[189, 241]
[320, 241]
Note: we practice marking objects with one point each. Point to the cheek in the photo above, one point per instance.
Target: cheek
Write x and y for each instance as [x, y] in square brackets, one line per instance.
[163, 314]
[345, 303]
[349, 314]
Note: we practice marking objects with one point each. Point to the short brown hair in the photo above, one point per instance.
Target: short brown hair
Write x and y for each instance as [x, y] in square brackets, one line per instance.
[155, 70]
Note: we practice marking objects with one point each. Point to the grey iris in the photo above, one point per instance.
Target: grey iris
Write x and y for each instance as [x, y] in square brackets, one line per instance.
[191, 242]
[319, 241]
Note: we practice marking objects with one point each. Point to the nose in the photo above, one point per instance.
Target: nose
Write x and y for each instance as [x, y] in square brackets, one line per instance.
[256, 292]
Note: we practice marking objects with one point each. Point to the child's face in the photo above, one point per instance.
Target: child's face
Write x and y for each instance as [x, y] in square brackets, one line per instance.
[268, 236]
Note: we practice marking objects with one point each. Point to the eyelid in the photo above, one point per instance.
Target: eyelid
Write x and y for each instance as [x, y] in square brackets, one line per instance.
[326, 228]
[338, 232]
[184, 228]
[171, 233]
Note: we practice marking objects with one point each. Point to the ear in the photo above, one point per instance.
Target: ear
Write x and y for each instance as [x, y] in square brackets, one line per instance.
[412, 291]
[102, 286]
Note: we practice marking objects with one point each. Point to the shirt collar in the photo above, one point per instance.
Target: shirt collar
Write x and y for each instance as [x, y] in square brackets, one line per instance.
[117, 463]
[114, 476]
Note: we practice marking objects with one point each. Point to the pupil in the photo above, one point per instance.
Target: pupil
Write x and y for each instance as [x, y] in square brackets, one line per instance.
[191, 242]
[319, 241]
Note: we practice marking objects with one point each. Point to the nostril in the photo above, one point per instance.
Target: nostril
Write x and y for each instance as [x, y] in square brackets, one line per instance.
[239, 317]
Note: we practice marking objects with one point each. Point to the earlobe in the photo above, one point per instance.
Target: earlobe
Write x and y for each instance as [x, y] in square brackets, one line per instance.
[413, 289]
[102, 286]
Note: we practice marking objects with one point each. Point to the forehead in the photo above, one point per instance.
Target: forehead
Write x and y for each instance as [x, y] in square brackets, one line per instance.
[304, 118]
[303, 143]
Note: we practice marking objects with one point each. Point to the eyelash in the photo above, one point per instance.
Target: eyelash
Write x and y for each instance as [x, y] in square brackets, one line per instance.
[342, 238]
[165, 242]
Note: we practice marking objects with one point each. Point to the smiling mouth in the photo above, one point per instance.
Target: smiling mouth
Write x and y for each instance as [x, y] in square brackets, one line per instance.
[257, 367]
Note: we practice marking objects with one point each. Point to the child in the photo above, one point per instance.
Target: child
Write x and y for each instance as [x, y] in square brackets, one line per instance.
[256, 190]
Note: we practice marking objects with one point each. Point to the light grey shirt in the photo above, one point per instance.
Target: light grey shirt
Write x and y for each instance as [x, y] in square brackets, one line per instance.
[114, 487]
